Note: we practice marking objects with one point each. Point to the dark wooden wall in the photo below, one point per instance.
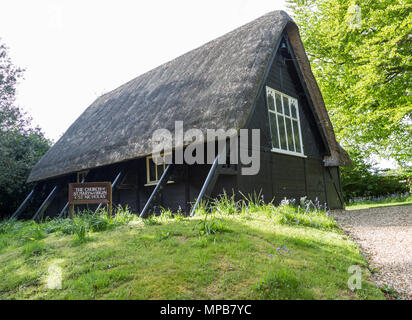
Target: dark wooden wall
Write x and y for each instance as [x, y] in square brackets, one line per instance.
[285, 176]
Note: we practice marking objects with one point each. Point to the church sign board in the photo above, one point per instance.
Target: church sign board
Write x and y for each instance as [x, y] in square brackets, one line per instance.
[90, 193]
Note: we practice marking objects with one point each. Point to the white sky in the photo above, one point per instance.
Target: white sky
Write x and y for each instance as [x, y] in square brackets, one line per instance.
[74, 51]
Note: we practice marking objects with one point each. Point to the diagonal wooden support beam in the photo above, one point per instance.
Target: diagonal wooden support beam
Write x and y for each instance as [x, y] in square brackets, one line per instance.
[163, 180]
[207, 187]
[336, 188]
[63, 210]
[23, 206]
[45, 203]
[116, 180]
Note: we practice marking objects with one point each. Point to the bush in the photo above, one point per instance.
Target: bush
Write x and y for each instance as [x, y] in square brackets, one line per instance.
[363, 181]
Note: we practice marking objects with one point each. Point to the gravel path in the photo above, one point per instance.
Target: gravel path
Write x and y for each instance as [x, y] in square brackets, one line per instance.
[385, 236]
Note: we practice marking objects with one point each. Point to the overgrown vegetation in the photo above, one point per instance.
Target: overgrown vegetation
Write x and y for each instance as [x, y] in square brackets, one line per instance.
[230, 250]
[364, 181]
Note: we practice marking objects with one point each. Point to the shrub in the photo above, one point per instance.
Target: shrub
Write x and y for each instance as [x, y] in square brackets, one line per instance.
[363, 181]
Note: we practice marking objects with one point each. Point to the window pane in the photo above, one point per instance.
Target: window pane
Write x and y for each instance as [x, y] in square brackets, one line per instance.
[293, 108]
[286, 105]
[290, 134]
[160, 169]
[274, 130]
[278, 103]
[271, 102]
[297, 137]
[282, 132]
[152, 170]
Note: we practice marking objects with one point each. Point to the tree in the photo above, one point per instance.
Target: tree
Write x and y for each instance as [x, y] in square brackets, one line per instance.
[360, 52]
[21, 146]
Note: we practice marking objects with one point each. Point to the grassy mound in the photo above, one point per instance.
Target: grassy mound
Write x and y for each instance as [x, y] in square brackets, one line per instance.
[236, 250]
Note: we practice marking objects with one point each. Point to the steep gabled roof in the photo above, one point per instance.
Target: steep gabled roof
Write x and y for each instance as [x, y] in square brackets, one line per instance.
[213, 86]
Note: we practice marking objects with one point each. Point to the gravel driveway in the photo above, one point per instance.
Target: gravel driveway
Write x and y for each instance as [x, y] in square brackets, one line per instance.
[385, 236]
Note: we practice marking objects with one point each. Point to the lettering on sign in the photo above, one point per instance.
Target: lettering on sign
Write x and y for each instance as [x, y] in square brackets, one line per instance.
[90, 193]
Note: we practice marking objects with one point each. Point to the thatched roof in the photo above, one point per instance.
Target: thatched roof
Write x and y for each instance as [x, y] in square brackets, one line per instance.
[213, 86]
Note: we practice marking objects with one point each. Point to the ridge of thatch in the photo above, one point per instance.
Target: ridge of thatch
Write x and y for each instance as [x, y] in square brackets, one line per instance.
[213, 86]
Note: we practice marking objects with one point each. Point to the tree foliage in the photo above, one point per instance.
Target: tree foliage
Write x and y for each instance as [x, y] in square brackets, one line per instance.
[364, 181]
[21, 146]
[360, 52]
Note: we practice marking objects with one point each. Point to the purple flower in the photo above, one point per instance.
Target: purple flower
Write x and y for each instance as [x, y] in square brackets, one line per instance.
[286, 249]
[283, 249]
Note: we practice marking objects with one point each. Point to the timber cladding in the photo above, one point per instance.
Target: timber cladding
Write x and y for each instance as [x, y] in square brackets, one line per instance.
[220, 85]
[90, 193]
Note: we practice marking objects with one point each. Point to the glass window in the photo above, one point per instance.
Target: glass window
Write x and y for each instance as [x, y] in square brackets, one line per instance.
[286, 106]
[284, 122]
[292, 104]
[296, 135]
[282, 132]
[271, 102]
[291, 144]
[160, 169]
[154, 171]
[278, 103]
[274, 129]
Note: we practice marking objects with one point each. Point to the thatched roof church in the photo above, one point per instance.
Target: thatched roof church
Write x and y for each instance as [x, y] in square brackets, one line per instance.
[222, 84]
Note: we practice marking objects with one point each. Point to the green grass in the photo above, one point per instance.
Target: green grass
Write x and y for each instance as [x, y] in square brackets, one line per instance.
[238, 250]
[389, 202]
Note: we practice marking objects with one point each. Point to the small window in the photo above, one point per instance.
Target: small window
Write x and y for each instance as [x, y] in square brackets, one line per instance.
[284, 123]
[81, 176]
[155, 171]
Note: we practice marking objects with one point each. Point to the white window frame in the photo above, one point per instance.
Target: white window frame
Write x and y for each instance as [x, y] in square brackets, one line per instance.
[276, 113]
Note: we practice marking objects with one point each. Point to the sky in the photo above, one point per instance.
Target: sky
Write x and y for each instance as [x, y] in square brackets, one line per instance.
[74, 51]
